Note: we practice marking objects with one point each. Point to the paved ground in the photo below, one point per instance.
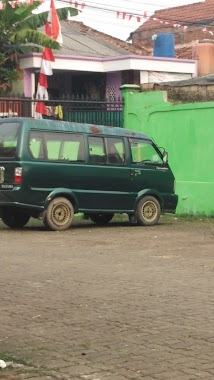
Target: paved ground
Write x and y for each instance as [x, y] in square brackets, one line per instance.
[113, 303]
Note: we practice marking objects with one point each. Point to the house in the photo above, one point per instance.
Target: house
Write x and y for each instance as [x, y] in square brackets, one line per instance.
[93, 64]
[193, 29]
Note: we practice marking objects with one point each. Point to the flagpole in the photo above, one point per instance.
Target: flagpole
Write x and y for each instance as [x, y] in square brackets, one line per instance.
[53, 30]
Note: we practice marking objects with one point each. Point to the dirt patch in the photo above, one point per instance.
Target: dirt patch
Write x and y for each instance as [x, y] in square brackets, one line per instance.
[116, 302]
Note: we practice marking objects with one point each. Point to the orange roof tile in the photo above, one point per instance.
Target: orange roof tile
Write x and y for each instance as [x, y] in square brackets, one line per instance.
[184, 53]
[202, 11]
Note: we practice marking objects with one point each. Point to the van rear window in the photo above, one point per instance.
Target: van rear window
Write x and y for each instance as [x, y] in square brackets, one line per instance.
[9, 133]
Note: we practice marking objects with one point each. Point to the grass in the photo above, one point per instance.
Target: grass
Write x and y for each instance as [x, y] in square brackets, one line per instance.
[188, 218]
[10, 358]
[14, 373]
[123, 218]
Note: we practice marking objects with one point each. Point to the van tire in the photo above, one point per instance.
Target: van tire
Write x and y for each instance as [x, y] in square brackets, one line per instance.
[15, 219]
[101, 219]
[59, 214]
[148, 211]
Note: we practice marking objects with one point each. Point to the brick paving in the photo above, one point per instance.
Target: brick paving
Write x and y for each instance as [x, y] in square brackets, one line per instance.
[112, 303]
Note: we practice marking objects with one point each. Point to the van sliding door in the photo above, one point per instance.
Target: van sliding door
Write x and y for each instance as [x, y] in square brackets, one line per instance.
[108, 176]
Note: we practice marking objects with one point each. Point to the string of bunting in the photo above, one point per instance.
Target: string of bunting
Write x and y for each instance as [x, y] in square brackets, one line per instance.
[14, 3]
[120, 15]
[128, 17]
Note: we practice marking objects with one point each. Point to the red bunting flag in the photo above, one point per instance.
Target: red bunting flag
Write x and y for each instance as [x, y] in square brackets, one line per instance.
[205, 30]
[76, 4]
[52, 29]
[122, 15]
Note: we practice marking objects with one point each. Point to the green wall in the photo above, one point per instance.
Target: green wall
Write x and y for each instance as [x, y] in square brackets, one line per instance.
[186, 131]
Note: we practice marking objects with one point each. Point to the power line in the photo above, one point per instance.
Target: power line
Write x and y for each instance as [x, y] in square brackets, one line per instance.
[94, 4]
[106, 10]
[133, 27]
[160, 25]
[151, 4]
[112, 10]
[180, 23]
[103, 22]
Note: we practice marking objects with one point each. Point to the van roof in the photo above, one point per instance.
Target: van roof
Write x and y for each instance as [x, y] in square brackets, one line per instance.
[57, 125]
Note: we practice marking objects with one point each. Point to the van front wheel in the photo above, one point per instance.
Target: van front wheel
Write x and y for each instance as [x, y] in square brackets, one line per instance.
[148, 211]
[59, 214]
[101, 219]
[15, 219]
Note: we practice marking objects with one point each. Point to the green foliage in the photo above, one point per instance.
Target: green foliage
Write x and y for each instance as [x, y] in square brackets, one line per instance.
[19, 34]
[32, 36]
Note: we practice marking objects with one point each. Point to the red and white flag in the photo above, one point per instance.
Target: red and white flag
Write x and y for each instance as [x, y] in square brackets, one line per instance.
[52, 29]
[205, 30]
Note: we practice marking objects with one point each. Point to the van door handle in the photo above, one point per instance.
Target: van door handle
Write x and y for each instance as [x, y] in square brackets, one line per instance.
[137, 172]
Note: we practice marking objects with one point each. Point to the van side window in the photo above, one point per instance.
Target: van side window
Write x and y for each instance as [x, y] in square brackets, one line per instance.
[65, 146]
[115, 150]
[36, 145]
[96, 150]
[144, 152]
[55, 146]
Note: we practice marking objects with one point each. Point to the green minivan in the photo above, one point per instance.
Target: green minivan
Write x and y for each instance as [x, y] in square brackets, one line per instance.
[54, 169]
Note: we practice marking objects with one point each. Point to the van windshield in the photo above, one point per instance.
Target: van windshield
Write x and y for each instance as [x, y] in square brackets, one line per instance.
[8, 139]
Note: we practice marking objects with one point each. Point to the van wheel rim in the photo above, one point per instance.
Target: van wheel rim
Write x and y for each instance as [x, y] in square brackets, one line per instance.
[149, 211]
[60, 214]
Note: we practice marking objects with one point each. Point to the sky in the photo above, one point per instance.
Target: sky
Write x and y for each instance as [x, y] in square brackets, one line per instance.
[107, 22]
[102, 14]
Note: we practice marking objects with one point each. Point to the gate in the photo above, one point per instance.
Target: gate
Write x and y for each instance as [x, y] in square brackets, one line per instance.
[77, 110]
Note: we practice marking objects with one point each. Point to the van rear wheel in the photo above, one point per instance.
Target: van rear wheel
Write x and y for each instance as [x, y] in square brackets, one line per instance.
[148, 211]
[59, 214]
[15, 219]
[101, 219]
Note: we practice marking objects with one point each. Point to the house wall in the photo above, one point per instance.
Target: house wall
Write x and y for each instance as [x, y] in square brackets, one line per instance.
[204, 52]
[187, 132]
[158, 77]
[183, 94]
[29, 83]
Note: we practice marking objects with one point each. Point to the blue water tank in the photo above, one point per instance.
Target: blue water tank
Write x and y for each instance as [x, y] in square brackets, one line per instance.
[164, 45]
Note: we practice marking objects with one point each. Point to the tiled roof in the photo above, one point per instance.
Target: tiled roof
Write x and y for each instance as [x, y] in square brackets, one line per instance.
[186, 13]
[81, 40]
[184, 52]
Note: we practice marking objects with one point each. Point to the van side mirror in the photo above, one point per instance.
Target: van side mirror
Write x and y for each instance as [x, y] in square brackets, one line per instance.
[165, 157]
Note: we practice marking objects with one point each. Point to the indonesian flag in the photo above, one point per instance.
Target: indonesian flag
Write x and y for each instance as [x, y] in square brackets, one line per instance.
[52, 29]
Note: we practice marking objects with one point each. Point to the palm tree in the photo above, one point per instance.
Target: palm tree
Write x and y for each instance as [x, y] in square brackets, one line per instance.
[19, 34]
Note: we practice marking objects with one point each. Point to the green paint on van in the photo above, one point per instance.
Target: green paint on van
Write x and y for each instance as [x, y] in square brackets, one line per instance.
[54, 169]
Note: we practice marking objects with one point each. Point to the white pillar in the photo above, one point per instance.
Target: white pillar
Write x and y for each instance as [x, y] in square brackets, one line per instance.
[144, 77]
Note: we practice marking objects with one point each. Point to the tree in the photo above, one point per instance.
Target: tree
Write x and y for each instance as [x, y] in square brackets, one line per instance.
[19, 35]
